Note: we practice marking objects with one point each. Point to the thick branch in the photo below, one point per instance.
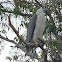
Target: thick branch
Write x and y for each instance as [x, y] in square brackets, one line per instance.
[19, 13]
[39, 4]
[12, 41]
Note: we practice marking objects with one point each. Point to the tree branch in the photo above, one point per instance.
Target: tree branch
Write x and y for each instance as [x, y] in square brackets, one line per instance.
[19, 13]
[12, 41]
[39, 4]
[22, 48]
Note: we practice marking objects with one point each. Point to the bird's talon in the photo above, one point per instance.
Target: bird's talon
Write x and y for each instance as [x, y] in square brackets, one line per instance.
[36, 43]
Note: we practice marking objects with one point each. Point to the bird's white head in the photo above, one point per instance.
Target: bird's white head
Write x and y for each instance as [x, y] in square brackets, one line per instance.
[40, 11]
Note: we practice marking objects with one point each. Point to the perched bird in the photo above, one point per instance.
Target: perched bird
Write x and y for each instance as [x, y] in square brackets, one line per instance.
[36, 28]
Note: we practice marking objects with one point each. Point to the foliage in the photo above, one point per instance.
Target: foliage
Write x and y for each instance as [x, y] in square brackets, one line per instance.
[24, 7]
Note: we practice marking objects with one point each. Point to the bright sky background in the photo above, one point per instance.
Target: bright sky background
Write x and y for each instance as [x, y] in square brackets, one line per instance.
[10, 35]
[5, 53]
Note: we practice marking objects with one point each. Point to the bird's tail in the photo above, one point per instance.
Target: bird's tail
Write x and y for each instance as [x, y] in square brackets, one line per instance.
[28, 50]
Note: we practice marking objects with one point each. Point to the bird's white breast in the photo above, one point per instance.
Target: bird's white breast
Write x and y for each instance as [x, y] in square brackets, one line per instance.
[40, 26]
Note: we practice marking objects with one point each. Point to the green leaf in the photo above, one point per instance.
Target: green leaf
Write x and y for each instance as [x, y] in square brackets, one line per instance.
[20, 42]
[54, 43]
[11, 46]
[8, 28]
[0, 31]
[26, 24]
[15, 38]
[9, 58]
[1, 6]
[60, 28]
[15, 57]
[42, 56]
[45, 36]
[21, 24]
[3, 31]
[16, 10]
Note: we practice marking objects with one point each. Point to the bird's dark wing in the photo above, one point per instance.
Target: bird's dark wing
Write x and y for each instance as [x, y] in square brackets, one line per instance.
[30, 32]
[31, 27]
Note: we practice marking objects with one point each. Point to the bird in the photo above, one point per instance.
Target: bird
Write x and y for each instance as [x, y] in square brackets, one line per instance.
[35, 28]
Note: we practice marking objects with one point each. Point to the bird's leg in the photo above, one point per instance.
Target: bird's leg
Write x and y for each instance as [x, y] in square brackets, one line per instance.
[36, 43]
[38, 39]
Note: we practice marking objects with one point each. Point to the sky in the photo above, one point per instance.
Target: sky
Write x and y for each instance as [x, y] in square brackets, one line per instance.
[5, 52]
[10, 34]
